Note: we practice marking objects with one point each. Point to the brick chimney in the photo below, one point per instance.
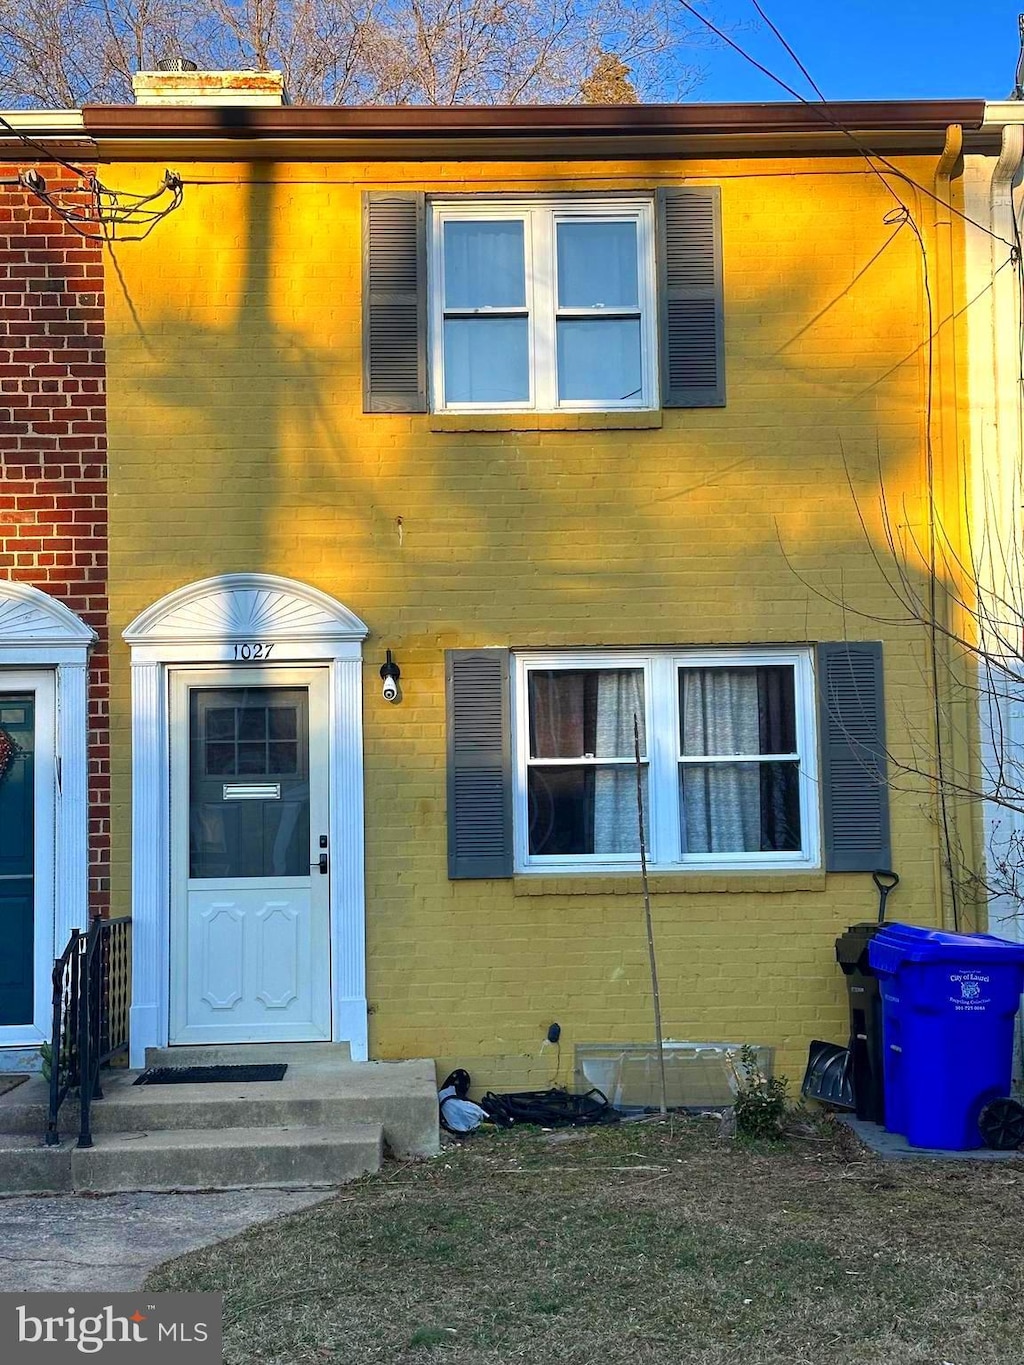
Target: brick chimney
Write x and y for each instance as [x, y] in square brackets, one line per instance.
[209, 87]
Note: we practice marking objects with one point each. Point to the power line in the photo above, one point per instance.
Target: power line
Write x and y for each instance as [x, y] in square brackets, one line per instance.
[901, 216]
[109, 213]
[821, 109]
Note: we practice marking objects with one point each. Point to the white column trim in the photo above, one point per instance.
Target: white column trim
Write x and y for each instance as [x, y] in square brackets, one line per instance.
[150, 860]
[71, 890]
[348, 915]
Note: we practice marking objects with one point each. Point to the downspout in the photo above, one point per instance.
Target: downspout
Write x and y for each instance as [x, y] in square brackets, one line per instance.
[1002, 488]
[945, 534]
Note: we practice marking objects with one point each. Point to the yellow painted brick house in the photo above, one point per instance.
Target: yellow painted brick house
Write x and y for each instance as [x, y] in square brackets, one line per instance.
[575, 415]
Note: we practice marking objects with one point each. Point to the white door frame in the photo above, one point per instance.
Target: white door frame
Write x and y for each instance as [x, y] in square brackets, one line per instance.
[315, 681]
[44, 647]
[246, 619]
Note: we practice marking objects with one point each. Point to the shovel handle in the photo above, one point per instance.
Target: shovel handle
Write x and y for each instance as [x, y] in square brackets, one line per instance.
[886, 881]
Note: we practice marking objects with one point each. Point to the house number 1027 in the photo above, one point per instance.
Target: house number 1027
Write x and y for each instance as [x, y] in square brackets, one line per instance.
[253, 649]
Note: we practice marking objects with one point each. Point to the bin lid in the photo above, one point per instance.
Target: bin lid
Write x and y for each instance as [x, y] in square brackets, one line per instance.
[851, 947]
[900, 944]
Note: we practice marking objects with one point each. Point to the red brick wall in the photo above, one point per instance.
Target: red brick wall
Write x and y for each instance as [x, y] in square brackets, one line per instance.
[53, 447]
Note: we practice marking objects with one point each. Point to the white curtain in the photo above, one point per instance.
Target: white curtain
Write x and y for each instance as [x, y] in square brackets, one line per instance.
[484, 265]
[620, 696]
[721, 802]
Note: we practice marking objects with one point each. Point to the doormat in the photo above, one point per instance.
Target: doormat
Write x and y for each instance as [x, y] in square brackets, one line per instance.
[204, 1075]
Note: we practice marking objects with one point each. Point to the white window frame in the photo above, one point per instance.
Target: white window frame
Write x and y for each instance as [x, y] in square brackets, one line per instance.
[539, 218]
[662, 813]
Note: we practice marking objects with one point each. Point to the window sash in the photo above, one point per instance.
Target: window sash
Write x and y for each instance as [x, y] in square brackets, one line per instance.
[540, 219]
[663, 761]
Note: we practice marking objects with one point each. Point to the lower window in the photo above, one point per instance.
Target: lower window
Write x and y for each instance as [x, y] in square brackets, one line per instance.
[719, 746]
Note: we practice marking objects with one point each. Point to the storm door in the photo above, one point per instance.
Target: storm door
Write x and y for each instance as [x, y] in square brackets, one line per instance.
[26, 854]
[250, 933]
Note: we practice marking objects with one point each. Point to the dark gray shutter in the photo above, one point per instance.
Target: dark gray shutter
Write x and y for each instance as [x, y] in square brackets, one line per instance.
[690, 298]
[394, 303]
[479, 763]
[853, 762]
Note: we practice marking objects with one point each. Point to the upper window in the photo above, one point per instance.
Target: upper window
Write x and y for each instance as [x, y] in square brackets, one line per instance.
[726, 750]
[543, 306]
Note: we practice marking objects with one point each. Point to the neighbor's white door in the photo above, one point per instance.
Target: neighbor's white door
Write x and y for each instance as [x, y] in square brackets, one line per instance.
[250, 866]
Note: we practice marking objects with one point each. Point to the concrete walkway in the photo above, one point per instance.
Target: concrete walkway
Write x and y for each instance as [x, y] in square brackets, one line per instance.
[66, 1242]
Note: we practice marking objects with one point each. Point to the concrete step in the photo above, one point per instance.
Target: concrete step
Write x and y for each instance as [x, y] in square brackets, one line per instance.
[242, 1054]
[398, 1096]
[193, 1159]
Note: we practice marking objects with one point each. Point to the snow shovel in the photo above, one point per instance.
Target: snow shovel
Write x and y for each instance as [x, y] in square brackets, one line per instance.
[829, 1075]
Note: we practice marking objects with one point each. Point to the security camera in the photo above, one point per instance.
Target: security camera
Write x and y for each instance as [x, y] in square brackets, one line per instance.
[390, 673]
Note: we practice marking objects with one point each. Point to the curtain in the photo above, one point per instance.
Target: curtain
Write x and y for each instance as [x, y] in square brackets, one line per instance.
[739, 807]
[721, 801]
[576, 714]
[620, 696]
[484, 265]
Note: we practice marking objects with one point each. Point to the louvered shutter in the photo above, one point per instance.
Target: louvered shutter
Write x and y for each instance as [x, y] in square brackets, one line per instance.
[394, 303]
[690, 297]
[853, 762]
[479, 763]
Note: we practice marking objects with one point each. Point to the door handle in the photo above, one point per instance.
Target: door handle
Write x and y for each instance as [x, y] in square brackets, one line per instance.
[322, 864]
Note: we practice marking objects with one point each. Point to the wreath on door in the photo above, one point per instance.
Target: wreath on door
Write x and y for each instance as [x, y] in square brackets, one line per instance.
[8, 753]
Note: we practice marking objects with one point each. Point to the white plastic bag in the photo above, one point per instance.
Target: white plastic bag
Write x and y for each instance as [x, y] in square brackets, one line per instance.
[459, 1116]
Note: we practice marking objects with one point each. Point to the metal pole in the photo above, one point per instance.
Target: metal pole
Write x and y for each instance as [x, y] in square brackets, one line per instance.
[647, 915]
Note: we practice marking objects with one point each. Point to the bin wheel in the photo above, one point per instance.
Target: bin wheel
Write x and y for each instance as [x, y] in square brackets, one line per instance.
[1002, 1124]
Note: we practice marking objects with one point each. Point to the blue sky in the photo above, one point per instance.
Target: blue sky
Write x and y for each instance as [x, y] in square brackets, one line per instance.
[868, 49]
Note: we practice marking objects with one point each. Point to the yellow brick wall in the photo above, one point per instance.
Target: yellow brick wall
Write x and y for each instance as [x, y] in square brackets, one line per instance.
[238, 443]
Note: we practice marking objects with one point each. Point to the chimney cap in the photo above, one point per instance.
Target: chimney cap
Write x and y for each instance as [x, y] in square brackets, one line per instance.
[176, 64]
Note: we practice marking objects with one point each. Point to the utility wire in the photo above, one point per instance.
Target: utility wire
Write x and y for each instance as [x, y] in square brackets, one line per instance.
[109, 210]
[899, 216]
[821, 109]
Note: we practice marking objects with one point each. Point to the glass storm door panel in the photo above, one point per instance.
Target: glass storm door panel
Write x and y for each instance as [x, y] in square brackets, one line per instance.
[249, 782]
[17, 857]
[250, 942]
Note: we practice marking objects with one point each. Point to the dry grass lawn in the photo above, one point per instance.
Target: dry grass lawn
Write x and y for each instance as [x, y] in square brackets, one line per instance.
[635, 1244]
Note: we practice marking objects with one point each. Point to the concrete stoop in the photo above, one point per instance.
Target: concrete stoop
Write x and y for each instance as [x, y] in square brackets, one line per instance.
[327, 1121]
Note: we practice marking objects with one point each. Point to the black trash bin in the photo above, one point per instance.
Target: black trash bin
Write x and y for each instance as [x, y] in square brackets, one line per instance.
[865, 1020]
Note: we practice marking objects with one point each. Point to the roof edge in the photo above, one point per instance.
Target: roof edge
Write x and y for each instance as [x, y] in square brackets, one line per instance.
[411, 121]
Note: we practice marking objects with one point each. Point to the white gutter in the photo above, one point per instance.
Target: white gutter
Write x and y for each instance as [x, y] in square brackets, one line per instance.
[41, 124]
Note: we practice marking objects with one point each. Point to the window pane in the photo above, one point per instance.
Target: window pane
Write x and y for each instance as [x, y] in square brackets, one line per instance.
[586, 810]
[484, 265]
[737, 711]
[585, 712]
[248, 838]
[740, 807]
[599, 360]
[597, 265]
[486, 361]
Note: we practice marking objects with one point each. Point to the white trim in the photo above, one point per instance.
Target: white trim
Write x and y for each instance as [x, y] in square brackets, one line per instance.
[662, 727]
[202, 624]
[540, 217]
[32, 622]
[44, 642]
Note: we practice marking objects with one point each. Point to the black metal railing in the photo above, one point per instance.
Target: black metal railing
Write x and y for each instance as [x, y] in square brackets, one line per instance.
[63, 1048]
[91, 1001]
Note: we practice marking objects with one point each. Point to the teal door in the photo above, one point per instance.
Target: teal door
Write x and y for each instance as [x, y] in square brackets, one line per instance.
[17, 856]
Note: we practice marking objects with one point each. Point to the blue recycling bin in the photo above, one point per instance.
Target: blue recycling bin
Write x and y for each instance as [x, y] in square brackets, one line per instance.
[948, 1006]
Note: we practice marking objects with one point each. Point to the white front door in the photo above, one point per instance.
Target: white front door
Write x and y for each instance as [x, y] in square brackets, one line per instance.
[250, 867]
